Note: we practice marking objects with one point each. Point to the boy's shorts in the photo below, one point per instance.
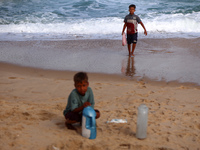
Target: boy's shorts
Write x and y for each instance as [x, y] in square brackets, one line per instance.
[132, 38]
[75, 116]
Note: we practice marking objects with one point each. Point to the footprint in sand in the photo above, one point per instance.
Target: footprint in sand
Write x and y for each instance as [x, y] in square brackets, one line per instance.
[12, 78]
[125, 146]
[97, 88]
[183, 87]
[159, 51]
[141, 84]
[120, 84]
[45, 115]
[98, 83]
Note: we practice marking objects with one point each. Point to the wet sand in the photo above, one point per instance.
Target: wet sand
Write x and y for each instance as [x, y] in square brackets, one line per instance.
[157, 59]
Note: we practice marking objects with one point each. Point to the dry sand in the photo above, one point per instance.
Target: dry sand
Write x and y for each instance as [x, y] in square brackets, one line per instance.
[32, 101]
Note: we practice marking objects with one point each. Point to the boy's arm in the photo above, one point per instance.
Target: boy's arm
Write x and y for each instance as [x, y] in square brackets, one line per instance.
[91, 97]
[82, 107]
[145, 31]
[124, 27]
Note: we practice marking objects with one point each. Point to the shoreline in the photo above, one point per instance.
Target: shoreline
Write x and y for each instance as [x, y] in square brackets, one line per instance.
[48, 73]
[155, 59]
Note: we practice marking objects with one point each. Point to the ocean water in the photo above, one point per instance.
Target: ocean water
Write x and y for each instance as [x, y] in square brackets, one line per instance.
[95, 19]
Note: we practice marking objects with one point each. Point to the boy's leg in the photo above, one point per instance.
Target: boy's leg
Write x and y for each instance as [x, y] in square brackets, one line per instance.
[70, 126]
[133, 49]
[129, 41]
[71, 118]
[134, 36]
[97, 113]
[129, 49]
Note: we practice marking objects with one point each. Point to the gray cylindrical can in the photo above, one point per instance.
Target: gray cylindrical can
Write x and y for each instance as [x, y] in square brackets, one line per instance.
[142, 121]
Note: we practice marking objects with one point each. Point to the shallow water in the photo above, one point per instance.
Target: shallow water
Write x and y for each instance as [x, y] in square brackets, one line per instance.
[157, 59]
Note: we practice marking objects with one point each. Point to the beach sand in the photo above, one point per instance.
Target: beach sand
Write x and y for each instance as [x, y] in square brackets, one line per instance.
[32, 102]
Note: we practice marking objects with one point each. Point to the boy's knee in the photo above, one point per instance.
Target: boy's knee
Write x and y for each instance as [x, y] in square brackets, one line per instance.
[71, 116]
[70, 121]
[97, 113]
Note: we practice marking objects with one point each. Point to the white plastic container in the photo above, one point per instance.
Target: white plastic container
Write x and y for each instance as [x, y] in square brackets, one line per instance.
[142, 122]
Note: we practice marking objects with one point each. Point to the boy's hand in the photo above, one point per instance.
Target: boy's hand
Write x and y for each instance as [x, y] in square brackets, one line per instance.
[145, 32]
[86, 104]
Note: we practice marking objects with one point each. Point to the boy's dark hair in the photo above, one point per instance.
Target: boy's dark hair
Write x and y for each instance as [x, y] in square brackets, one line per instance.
[80, 77]
[132, 5]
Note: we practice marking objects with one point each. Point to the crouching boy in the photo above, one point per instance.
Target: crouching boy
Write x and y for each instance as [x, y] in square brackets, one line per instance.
[79, 98]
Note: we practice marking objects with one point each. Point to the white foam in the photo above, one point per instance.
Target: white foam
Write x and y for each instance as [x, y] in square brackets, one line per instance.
[108, 27]
[174, 23]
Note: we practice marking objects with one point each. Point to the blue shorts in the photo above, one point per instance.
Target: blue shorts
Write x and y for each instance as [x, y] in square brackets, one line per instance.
[132, 38]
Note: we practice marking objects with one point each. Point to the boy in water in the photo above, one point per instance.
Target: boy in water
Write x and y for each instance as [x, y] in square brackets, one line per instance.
[131, 21]
[79, 98]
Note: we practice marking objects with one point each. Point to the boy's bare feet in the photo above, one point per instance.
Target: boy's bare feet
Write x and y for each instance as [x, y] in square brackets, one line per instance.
[70, 126]
[131, 55]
